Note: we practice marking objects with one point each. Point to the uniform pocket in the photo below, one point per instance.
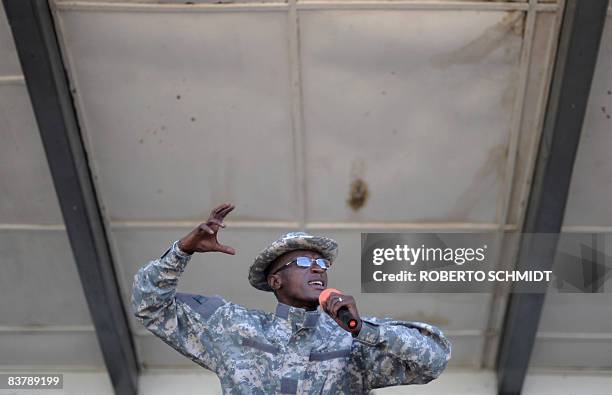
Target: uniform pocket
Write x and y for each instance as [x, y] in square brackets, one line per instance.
[328, 371]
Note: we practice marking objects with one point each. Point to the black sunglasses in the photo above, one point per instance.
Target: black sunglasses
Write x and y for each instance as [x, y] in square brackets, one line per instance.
[305, 262]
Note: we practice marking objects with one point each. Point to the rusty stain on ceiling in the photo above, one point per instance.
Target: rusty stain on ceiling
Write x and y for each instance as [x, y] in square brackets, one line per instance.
[490, 39]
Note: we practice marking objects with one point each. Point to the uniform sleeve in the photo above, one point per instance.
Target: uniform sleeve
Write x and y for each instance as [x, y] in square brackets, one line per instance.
[401, 353]
[185, 322]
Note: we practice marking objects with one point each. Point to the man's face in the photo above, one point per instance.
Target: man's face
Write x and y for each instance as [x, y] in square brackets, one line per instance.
[294, 284]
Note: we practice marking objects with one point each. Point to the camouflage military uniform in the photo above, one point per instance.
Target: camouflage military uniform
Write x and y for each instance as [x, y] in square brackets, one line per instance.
[293, 351]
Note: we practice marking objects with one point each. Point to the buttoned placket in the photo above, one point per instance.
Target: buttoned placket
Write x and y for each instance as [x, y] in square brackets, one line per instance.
[301, 323]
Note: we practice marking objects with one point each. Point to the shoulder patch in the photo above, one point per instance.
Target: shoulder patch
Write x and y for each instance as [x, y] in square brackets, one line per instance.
[205, 305]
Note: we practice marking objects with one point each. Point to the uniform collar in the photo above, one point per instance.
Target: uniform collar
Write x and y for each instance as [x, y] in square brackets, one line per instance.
[298, 316]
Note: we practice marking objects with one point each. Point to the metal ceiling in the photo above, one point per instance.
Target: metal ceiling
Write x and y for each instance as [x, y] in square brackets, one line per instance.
[282, 108]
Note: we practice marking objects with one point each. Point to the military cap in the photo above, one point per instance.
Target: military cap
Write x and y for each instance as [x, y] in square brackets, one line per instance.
[328, 248]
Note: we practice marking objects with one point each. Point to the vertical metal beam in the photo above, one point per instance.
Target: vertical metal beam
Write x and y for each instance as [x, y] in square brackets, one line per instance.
[579, 39]
[35, 38]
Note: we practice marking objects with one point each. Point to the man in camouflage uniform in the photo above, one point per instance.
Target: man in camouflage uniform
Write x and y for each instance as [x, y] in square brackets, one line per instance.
[302, 348]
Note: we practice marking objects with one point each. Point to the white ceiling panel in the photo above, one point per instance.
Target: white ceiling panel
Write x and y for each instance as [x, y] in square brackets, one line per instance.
[572, 352]
[185, 111]
[575, 329]
[78, 350]
[39, 282]
[591, 186]
[28, 195]
[577, 313]
[415, 106]
[564, 383]
[9, 62]
[158, 382]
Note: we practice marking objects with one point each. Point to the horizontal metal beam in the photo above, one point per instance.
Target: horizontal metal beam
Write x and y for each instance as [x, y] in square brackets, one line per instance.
[213, 6]
[178, 224]
[12, 80]
[35, 38]
[577, 50]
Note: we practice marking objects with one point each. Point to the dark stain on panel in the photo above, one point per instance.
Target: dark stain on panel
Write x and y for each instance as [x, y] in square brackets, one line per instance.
[358, 194]
[491, 39]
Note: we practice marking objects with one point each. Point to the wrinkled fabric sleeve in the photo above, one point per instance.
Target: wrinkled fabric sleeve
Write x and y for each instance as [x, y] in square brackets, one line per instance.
[401, 353]
[171, 316]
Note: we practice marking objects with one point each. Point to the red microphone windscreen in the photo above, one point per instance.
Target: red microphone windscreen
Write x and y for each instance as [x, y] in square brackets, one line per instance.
[324, 295]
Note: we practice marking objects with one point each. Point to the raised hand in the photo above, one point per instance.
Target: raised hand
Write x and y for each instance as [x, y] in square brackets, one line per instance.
[204, 237]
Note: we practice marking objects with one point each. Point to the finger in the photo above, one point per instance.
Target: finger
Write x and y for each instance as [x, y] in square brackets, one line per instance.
[332, 304]
[223, 214]
[330, 299]
[328, 304]
[203, 228]
[225, 249]
[225, 211]
[338, 305]
[220, 208]
[347, 301]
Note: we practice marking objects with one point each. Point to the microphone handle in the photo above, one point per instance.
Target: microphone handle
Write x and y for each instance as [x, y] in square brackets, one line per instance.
[347, 318]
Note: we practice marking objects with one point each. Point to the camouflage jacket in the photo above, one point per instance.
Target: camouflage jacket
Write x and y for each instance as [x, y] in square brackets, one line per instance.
[293, 351]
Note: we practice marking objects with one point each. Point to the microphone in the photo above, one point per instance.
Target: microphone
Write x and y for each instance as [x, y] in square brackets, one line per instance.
[343, 313]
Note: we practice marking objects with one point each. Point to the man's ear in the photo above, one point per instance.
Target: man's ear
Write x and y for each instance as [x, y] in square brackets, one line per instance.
[275, 282]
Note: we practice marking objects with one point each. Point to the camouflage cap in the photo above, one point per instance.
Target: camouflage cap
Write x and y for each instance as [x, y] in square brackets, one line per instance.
[328, 248]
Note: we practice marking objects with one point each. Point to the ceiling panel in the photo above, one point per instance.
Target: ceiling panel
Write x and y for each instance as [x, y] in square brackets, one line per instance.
[183, 114]
[39, 280]
[187, 383]
[575, 328]
[78, 350]
[26, 187]
[577, 313]
[9, 62]
[414, 106]
[591, 186]
[572, 352]
[561, 383]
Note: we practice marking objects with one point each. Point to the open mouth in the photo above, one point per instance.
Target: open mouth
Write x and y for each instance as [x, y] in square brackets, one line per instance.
[316, 284]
